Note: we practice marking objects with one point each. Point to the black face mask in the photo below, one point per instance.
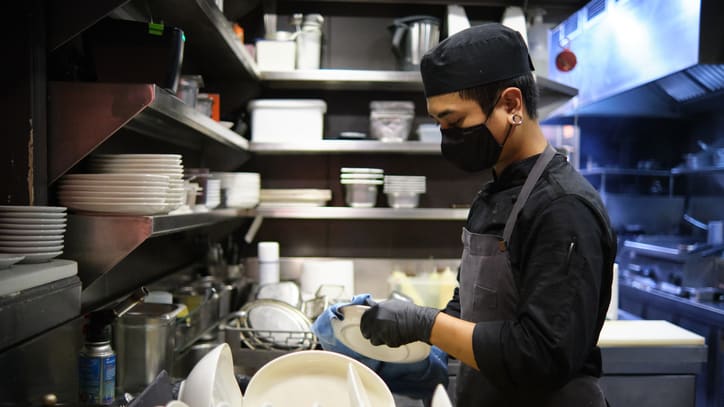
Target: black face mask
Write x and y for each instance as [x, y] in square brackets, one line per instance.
[471, 148]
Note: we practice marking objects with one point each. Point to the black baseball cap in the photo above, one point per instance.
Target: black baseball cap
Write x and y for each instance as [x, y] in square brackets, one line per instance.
[475, 56]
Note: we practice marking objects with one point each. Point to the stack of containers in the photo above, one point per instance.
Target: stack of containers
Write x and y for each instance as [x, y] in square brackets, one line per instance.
[391, 121]
[361, 186]
[404, 191]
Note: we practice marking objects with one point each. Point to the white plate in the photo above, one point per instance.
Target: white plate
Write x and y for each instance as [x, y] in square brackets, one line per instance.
[21, 208]
[348, 332]
[40, 257]
[28, 238]
[118, 177]
[25, 243]
[22, 231]
[70, 199]
[119, 209]
[93, 194]
[313, 378]
[143, 169]
[7, 260]
[24, 250]
[362, 170]
[103, 185]
[157, 161]
[33, 215]
[33, 227]
[31, 221]
[145, 156]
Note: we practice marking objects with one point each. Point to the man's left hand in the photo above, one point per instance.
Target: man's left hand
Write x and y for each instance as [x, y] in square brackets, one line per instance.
[396, 323]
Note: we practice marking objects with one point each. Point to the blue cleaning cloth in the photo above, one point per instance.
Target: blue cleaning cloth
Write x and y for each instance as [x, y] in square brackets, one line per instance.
[416, 380]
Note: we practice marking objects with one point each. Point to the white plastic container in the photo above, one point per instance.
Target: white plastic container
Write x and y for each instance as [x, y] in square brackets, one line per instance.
[287, 120]
[276, 55]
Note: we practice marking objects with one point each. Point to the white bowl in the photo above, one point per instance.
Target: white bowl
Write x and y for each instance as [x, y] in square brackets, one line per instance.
[314, 377]
[211, 382]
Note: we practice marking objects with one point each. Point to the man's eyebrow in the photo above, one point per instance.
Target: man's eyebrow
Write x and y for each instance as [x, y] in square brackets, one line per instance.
[442, 114]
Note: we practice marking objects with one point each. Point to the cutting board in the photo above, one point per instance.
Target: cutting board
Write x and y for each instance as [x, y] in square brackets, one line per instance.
[23, 276]
[646, 333]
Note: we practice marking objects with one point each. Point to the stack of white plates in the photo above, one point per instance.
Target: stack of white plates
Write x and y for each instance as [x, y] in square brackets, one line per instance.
[294, 197]
[403, 183]
[169, 165]
[242, 188]
[371, 176]
[126, 194]
[33, 233]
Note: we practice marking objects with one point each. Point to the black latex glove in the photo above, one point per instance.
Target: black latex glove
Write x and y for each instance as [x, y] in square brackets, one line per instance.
[396, 323]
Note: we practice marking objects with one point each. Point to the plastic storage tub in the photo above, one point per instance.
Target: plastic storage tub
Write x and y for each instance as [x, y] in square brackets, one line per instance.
[391, 121]
[287, 120]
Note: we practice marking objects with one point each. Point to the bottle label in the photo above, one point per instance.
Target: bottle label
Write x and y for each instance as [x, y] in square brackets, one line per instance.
[97, 379]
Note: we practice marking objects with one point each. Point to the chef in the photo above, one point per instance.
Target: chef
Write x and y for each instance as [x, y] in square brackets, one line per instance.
[538, 248]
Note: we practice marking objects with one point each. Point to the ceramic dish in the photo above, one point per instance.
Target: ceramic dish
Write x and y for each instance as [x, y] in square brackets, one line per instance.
[348, 332]
[32, 229]
[111, 184]
[24, 243]
[30, 249]
[29, 238]
[121, 209]
[315, 378]
[211, 382]
[118, 177]
[33, 215]
[34, 221]
[140, 156]
[7, 259]
[40, 257]
[274, 324]
[54, 231]
[70, 198]
[20, 208]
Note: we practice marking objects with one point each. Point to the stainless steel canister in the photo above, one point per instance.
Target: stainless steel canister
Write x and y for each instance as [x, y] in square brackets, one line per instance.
[144, 339]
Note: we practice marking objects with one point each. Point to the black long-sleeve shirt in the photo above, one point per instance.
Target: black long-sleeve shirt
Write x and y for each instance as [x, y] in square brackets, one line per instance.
[561, 252]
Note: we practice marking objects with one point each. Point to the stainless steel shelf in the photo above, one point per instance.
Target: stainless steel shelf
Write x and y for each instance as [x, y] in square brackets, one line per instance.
[84, 115]
[337, 79]
[625, 171]
[210, 39]
[99, 242]
[346, 213]
[653, 173]
[346, 147]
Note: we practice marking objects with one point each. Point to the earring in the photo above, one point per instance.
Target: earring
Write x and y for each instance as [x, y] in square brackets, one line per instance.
[517, 119]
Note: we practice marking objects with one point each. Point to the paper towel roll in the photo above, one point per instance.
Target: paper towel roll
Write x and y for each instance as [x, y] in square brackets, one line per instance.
[316, 273]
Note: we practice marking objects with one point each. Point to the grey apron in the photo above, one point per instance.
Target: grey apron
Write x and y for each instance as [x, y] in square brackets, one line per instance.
[488, 293]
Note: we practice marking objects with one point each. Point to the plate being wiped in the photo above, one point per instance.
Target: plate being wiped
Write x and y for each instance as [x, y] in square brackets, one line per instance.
[348, 332]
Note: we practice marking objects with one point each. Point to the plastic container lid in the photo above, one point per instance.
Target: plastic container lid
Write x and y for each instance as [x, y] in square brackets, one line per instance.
[288, 104]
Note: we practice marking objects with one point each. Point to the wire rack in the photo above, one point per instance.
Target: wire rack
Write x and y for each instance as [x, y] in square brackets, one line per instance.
[271, 339]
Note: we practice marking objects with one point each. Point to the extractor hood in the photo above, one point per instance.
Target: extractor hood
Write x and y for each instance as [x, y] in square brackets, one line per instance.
[642, 57]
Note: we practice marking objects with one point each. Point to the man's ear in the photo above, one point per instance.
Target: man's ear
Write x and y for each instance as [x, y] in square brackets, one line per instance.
[512, 99]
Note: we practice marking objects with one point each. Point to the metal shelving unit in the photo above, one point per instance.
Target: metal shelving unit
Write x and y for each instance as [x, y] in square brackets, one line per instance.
[346, 213]
[346, 147]
[99, 242]
[670, 174]
[343, 79]
[84, 115]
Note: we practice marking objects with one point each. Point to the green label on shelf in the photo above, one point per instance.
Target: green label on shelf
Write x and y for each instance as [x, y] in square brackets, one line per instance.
[155, 28]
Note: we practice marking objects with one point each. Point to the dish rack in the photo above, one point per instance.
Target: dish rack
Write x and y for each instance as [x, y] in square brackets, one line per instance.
[238, 337]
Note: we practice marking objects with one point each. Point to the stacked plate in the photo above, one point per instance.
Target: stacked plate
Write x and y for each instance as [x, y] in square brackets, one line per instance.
[242, 188]
[31, 234]
[169, 165]
[404, 191]
[361, 185]
[213, 193]
[294, 197]
[121, 194]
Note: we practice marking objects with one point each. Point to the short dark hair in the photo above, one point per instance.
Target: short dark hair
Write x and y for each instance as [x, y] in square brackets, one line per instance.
[486, 95]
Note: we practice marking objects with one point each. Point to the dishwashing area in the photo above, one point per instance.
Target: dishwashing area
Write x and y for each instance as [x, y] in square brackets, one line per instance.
[262, 334]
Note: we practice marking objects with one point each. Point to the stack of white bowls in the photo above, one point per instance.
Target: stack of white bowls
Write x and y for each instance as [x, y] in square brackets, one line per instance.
[361, 185]
[213, 193]
[404, 191]
[32, 234]
[242, 188]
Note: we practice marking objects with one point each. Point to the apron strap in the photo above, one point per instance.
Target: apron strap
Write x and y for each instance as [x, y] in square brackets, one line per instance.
[540, 164]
